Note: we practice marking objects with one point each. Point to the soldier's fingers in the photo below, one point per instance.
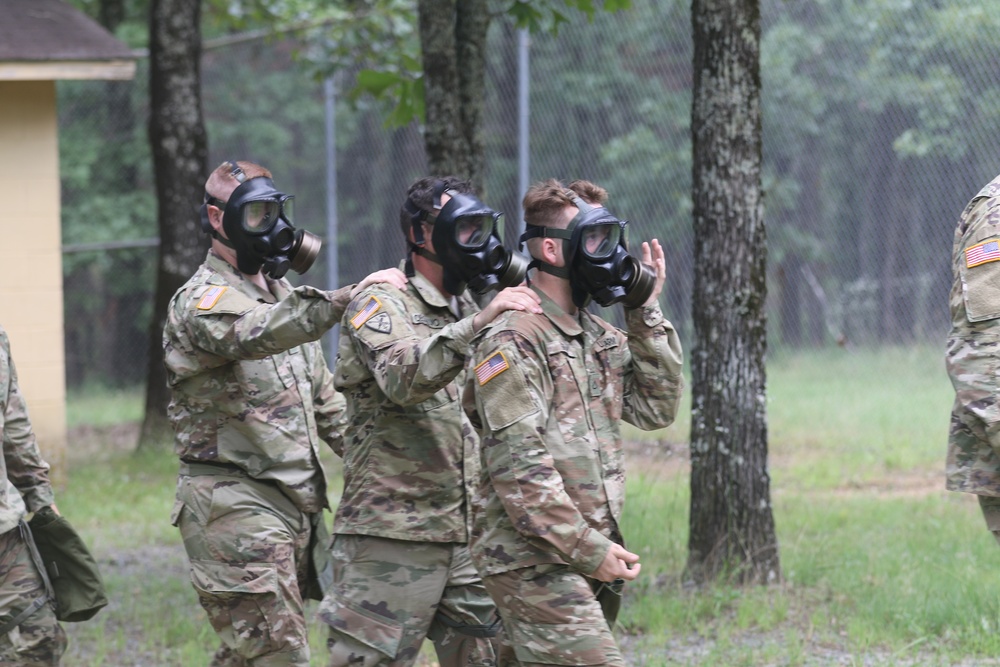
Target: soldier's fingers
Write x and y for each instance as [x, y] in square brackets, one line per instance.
[523, 291]
[630, 574]
[658, 256]
[647, 255]
[517, 302]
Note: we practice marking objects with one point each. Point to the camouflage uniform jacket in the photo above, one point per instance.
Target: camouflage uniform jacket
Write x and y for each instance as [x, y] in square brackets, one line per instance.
[973, 349]
[250, 386]
[409, 446]
[25, 473]
[548, 392]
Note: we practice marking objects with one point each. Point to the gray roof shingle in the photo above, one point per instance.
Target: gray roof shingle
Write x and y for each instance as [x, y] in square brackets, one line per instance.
[51, 30]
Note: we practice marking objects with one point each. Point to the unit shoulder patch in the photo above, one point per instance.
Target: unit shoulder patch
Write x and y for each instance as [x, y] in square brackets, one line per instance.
[381, 323]
[492, 367]
[981, 253]
[370, 308]
[211, 297]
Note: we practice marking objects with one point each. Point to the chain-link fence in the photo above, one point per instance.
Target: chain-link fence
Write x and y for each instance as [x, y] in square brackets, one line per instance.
[880, 123]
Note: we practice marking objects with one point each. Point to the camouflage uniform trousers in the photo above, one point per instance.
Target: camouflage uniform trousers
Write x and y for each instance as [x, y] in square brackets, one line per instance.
[990, 506]
[389, 594]
[248, 548]
[554, 616]
[39, 640]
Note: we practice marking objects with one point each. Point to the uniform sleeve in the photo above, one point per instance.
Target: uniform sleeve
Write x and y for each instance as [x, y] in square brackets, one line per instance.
[25, 468]
[407, 368]
[233, 326]
[653, 378]
[513, 394]
[330, 406]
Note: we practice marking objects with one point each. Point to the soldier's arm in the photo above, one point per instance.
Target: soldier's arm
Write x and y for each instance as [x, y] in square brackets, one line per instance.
[26, 469]
[407, 368]
[513, 396]
[410, 369]
[227, 323]
[330, 407]
[224, 322]
[653, 379]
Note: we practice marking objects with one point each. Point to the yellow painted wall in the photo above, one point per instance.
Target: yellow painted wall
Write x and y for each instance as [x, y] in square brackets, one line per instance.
[31, 295]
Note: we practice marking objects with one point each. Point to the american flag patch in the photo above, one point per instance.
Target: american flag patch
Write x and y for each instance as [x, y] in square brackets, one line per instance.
[491, 368]
[211, 298]
[365, 313]
[988, 251]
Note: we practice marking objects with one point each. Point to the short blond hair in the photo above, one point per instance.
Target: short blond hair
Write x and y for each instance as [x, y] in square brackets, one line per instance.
[545, 201]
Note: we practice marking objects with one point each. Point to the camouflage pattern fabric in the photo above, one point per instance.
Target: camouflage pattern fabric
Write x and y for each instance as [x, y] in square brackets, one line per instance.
[25, 486]
[390, 594]
[548, 393]
[990, 505]
[551, 617]
[250, 386]
[409, 452]
[973, 349]
[39, 641]
[251, 396]
[248, 548]
[410, 456]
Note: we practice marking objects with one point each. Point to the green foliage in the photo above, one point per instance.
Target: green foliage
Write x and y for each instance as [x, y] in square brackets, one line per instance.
[546, 16]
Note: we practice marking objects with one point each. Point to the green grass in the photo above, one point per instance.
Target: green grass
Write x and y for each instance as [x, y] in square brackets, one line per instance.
[101, 406]
[881, 565]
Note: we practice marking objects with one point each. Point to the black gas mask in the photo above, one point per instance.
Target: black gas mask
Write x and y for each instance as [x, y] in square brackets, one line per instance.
[258, 221]
[467, 244]
[598, 264]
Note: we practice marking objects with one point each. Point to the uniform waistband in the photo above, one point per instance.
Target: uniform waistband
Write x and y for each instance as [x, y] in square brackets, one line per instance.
[198, 468]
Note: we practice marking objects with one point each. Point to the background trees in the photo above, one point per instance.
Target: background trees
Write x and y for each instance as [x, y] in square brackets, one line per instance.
[879, 122]
[731, 521]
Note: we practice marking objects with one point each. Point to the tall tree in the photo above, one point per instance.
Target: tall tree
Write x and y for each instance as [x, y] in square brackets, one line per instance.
[453, 43]
[731, 522]
[179, 145]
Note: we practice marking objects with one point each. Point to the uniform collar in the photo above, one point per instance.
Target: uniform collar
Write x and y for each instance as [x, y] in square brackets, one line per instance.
[433, 297]
[279, 288]
[565, 322]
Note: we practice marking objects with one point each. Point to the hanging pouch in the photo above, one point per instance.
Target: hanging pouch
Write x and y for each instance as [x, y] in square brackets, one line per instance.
[72, 571]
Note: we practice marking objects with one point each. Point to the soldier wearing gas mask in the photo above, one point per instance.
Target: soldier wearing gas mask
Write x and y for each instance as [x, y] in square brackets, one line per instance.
[252, 404]
[402, 570]
[546, 394]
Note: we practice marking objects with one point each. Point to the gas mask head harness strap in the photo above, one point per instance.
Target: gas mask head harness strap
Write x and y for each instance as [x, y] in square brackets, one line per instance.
[258, 222]
[467, 243]
[596, 258]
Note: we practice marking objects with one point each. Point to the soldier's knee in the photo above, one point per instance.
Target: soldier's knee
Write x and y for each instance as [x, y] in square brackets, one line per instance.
[262, 626]
[38, 642]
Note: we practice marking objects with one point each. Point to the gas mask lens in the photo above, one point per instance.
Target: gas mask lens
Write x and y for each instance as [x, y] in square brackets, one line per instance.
[473, 231]
[599, 240]
[260, 215]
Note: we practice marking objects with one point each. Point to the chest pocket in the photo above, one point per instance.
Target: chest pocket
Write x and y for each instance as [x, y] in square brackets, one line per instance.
[606, 376]
[262, 379]
[570, 382]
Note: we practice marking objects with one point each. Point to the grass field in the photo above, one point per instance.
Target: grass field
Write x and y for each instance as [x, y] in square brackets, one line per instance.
[881, 565]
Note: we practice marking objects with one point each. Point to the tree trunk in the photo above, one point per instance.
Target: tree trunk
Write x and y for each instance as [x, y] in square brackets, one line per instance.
[731, 523]
[453, 43]
[179, 146]
[472, 22]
